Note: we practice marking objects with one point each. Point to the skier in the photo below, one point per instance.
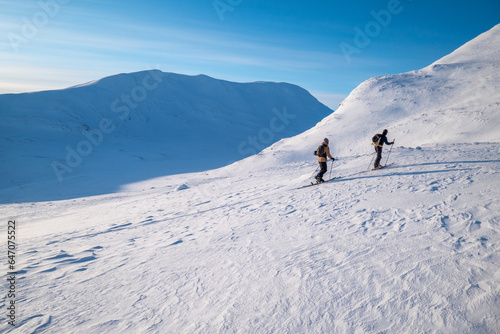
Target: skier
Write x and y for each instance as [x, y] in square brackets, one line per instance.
[378, 141]
[323, 152]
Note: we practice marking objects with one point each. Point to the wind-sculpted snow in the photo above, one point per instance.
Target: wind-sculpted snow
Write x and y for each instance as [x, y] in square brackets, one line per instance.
[409, 249]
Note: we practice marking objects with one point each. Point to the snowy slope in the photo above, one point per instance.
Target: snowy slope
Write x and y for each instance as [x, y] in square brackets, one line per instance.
[413, 248]
[92, 138]
[454, 100]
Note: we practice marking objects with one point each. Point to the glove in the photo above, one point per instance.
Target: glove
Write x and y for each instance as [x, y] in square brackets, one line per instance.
[333, 159]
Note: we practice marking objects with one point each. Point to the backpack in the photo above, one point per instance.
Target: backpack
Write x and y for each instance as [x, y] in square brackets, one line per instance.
[376, 139]
[320, 151]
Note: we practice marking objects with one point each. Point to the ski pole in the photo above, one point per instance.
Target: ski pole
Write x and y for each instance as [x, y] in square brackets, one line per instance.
[373, 156]
[331, 168]
[315, 171]
[388, 154]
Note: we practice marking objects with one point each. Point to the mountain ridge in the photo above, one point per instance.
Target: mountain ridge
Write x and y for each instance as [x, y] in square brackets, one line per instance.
[145, 124]
[449, 101]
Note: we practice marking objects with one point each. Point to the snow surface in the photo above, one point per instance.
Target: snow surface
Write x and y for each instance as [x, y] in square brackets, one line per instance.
[413, 248]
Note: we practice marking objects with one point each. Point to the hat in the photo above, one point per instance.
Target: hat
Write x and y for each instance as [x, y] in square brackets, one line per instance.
[385, 132]
[326, 140]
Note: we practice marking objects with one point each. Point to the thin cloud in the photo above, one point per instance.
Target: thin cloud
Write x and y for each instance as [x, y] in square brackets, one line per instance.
[67, 45]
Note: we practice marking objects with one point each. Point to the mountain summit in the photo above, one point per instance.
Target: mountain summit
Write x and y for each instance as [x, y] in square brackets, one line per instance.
[136, 126]
[454, 100]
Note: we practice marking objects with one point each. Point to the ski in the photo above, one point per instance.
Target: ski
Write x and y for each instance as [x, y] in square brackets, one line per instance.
[388, 165]
[381, 167]
[317, 183]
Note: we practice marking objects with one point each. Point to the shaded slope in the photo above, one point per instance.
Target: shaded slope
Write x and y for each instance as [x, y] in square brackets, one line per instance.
[95, 137]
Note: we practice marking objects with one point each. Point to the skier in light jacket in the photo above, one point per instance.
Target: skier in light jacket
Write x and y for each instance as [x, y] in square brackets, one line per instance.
[323, 155]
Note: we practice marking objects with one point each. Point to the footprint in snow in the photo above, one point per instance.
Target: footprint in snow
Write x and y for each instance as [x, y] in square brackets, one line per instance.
[474, 226]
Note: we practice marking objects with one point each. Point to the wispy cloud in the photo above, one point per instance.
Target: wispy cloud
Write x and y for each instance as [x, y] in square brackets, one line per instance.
[69, 45]
[79, 43]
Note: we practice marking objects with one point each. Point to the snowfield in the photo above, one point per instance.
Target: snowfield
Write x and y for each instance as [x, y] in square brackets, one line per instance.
[408, 249]
[411, 248]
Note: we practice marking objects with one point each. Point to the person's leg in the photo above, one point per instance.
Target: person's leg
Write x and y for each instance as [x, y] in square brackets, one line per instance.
[320, 173]
[323, 169]
[378, 149]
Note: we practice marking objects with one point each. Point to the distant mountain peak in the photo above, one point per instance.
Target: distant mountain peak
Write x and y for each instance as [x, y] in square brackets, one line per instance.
[147, 124]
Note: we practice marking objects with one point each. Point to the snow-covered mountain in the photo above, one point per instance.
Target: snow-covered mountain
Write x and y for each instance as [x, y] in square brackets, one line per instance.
[454, 100]
[412, 248]
[136, 126]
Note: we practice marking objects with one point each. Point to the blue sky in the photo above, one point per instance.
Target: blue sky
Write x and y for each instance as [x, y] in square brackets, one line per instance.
[327, 47]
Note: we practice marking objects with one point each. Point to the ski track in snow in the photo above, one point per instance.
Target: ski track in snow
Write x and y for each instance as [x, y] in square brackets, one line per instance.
[412, 248]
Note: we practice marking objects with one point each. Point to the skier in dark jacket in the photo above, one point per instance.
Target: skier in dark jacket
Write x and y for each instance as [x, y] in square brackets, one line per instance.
[323, 153]
[382, 139]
